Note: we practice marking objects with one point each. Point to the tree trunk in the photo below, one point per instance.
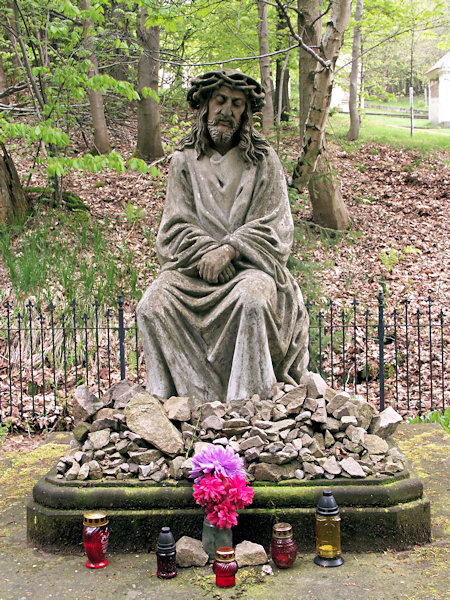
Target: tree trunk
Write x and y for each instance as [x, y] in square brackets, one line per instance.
[310, 28]
[325, 194]
[3, 82]
[321, 96]
[148, 145]
[355, 119]
[264, 66]
[282, 103]
[282, 75]
[324, 187]
[101, 136]
[12, 27]
[13, 202]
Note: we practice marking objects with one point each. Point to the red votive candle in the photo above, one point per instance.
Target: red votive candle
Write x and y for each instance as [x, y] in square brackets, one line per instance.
[95, 538]
[283, 548]
[225, 567]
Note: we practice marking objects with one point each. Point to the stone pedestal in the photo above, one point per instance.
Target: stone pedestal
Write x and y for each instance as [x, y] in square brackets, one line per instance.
[377, 512]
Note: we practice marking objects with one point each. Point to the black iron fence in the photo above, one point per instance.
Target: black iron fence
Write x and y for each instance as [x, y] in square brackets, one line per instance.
[392, 356]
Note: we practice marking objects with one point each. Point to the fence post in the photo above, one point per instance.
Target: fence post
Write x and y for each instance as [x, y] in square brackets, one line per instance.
[381, 347]
[308, 306]
[121, 337]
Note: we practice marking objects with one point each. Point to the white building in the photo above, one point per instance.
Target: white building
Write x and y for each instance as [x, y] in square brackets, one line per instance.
[439, 88]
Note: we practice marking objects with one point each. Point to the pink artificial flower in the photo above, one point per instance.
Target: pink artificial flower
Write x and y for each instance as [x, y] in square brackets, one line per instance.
[220, 485]
[223, 515]
[209, 489]
[239, 492]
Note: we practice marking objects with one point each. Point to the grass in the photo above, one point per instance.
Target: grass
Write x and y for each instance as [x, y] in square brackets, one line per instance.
[394, 131]
[399, 102]
[66, 255]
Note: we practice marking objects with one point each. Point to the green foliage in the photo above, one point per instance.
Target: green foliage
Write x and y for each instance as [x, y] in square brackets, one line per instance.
[90, 163]
[131, 360]
[60, 68]
[148, 92]
[435, 416]
[4, 430]
[45, 132]
[391, 258]
[176, 132]
[78, 265]
[105, 83]
[400, 34]
[133, 214]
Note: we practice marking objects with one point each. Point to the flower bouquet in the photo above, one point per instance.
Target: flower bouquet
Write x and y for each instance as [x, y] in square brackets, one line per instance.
[220, 485]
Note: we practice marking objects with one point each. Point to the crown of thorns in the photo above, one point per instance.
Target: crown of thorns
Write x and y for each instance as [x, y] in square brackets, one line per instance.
[203, 85]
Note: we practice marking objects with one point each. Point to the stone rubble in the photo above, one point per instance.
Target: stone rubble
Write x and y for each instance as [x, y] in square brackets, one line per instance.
[304, 432]
[190, 552]
[249, 554]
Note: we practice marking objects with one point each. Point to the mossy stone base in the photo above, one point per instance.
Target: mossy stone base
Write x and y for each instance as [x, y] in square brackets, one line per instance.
[377, 513]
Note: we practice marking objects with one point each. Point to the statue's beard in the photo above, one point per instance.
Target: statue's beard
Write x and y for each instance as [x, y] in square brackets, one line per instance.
[222, 137]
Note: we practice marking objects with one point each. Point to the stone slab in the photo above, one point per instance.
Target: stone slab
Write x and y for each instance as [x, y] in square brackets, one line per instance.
[393, 509]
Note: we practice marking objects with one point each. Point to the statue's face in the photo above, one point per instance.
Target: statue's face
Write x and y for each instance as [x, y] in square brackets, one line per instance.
[225, 109]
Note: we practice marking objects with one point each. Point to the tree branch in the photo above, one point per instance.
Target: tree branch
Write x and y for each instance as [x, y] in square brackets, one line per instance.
[238, 37]
[13, 89]
[222, 62]
[301, 43]
[322, 15]
[280, 90]
[387, 39]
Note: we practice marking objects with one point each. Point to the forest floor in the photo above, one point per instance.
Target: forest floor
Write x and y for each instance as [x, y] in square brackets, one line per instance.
[398, 243]
[398, 201]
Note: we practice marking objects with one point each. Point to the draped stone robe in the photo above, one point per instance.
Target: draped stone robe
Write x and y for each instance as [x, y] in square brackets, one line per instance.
[232, 340]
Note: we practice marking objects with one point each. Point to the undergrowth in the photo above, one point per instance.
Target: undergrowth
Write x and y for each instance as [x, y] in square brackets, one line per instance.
[434, 416]
[304, 265]
[61, 256]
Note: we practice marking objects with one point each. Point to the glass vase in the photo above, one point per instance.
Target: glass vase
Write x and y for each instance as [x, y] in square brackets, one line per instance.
[213, 538]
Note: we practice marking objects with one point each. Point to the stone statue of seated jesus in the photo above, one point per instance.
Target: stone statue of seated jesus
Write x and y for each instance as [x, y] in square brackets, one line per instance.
[224, 319]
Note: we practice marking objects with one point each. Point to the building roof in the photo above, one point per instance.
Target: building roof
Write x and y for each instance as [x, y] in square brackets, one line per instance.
[443, 64]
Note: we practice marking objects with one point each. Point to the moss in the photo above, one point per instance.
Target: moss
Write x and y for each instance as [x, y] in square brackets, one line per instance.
[19, 470]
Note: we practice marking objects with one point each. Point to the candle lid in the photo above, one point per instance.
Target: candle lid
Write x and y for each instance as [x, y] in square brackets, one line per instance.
[95, 519]
[282, 530]
[166, 541]
[225, 554]
[327, 504]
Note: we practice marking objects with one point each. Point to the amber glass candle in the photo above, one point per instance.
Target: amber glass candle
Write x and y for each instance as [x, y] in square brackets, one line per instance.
[328, 532]
[283, 548]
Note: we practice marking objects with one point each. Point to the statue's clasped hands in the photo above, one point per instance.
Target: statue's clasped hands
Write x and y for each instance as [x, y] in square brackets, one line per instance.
[216, 266]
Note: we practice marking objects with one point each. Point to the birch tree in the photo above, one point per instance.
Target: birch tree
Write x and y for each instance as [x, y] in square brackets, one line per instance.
[281, 96]
[264, 65]
[355, 119]
[313, 168]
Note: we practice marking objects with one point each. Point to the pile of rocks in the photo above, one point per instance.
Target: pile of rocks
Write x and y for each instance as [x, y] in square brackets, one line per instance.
[305, 432]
